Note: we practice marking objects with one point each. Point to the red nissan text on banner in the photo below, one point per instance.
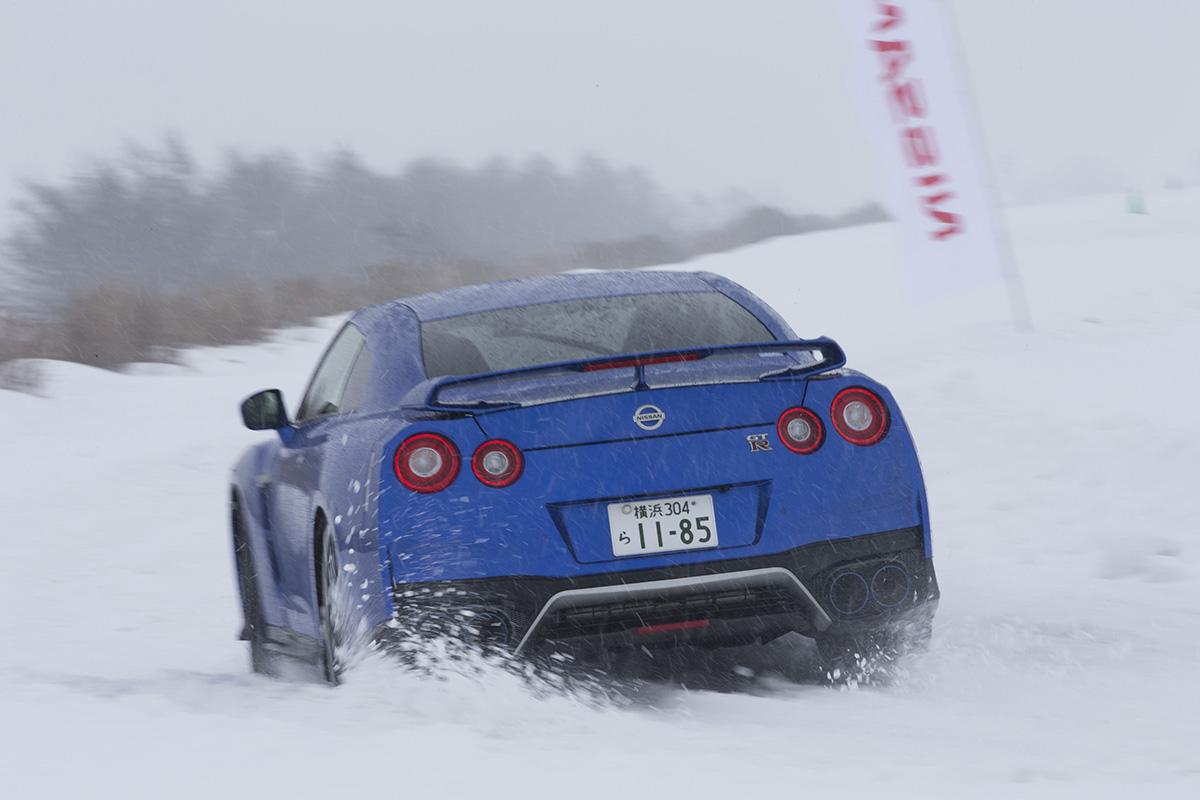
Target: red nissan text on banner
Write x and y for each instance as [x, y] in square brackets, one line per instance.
[905, 77]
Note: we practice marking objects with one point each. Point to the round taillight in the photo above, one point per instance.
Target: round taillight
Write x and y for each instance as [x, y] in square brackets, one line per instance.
[800, 430]
[427, 462]
[860, 416]
[497, 463]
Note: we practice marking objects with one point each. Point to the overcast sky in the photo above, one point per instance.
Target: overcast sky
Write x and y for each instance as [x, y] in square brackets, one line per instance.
[707, 95]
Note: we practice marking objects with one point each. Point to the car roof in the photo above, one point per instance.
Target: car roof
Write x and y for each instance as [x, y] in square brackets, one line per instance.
[548, 289]
[394, 326]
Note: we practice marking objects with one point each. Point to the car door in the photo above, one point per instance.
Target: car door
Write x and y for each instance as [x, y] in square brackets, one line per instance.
[298, 471]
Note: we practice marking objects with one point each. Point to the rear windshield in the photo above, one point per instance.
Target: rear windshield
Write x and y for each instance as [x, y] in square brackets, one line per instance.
[511, 338]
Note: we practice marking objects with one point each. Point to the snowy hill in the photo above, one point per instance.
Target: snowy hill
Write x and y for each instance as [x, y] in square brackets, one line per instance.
[1061, 467]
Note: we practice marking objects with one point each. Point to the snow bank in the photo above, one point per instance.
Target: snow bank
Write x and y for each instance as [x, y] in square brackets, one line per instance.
[1061, 467]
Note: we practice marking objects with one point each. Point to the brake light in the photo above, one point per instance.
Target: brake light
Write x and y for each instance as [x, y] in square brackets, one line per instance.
[860, 416]
[640, 362]
[800, 430]
[497, 463]
[426, 462]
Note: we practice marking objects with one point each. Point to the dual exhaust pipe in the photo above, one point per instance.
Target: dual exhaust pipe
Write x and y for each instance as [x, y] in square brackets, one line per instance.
[853, 590]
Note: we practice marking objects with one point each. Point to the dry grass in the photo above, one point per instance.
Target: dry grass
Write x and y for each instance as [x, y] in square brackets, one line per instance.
[118, 324]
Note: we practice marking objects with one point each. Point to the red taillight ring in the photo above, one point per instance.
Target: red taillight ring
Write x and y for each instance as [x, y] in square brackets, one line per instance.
[508, 476]
[812, 442]
[874, 427]
[444, 473]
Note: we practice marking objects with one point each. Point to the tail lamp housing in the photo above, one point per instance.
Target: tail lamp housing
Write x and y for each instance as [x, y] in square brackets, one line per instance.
[860, 416]
[427, 462]
[800, 430]
[497, 463]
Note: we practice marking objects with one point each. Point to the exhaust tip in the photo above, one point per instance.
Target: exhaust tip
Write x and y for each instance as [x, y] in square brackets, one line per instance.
[890, 585]
[848, 593]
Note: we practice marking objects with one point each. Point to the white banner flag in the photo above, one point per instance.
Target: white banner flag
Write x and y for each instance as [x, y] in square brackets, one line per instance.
[906, 78]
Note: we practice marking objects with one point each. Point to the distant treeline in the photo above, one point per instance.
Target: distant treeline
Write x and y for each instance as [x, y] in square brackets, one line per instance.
[146, 251]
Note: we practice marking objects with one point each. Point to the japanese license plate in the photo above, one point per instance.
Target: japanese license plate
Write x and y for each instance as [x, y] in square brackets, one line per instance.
[663, 525]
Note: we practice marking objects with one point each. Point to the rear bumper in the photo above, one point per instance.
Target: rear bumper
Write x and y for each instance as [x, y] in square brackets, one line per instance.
[833, 586]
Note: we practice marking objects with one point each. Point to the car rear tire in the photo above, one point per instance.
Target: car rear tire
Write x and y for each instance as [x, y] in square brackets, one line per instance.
[871, 656]
[253, 628]
[328, 577]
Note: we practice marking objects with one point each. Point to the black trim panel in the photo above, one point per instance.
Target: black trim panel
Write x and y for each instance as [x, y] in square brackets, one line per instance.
[512, 603]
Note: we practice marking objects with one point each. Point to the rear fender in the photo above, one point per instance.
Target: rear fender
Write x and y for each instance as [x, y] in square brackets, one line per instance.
[819, 396]
[400, 511]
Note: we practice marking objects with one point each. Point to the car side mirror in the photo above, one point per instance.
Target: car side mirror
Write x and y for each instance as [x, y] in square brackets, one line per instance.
[264, 411]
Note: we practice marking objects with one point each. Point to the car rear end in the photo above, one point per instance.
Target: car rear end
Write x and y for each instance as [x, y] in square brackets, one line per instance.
[712, 495]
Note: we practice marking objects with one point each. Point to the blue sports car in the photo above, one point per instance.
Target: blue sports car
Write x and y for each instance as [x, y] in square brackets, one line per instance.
[599, 461]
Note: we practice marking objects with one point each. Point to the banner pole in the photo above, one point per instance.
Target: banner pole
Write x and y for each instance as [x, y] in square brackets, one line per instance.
[1018, 300]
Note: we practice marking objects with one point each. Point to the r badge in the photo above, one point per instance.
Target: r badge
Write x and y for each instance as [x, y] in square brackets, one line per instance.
[758, 443]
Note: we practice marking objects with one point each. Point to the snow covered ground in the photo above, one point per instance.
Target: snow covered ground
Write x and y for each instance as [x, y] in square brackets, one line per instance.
[1062, 468]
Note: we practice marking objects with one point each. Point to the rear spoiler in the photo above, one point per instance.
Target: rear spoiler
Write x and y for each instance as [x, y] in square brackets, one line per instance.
[426, 395]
